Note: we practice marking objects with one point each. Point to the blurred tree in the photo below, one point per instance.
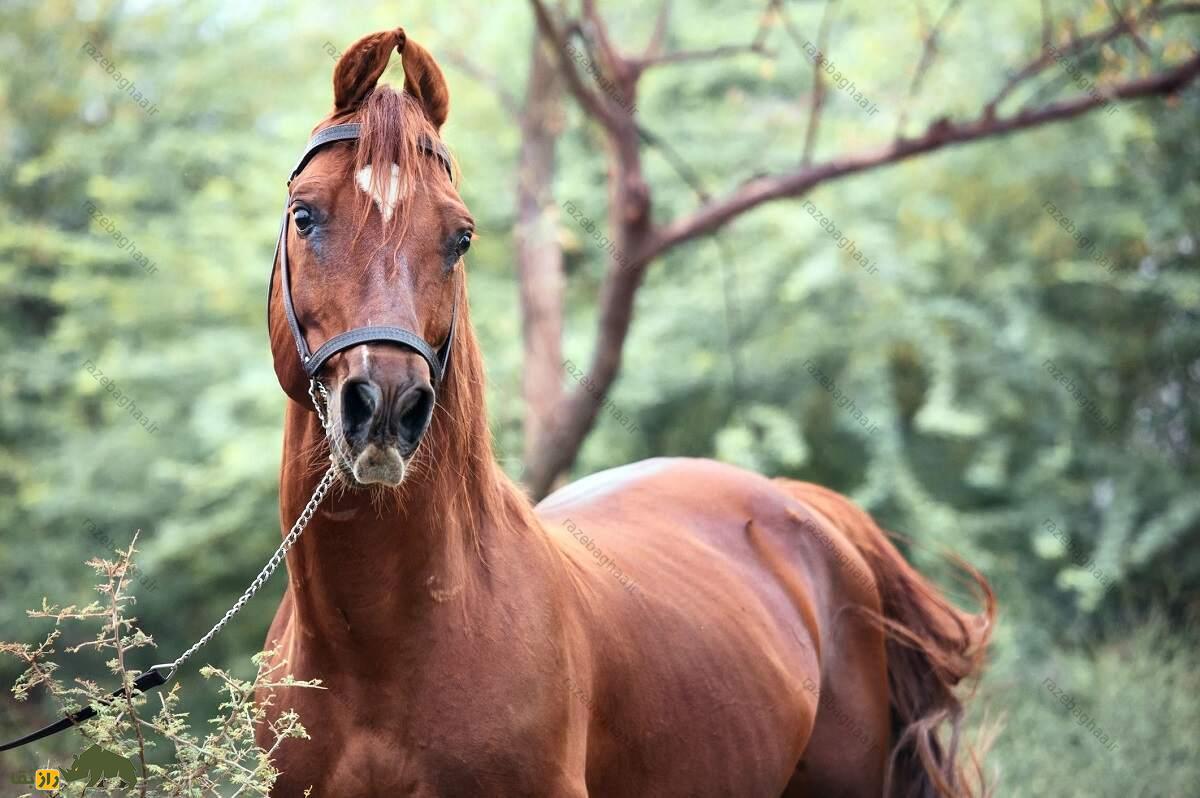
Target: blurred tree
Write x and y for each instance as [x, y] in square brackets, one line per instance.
[605, 80]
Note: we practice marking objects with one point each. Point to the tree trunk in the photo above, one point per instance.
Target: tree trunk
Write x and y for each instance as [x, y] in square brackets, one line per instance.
[538, 252]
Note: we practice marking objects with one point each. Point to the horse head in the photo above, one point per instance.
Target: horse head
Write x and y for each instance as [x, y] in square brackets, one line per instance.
[373, 238]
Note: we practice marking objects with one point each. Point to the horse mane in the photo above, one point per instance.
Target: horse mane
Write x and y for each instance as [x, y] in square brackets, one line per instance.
[459, 433]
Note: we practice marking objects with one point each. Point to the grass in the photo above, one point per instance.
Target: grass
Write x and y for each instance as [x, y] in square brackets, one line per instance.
[1143, 690]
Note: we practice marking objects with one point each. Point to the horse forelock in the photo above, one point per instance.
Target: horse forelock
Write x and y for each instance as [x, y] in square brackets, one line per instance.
[392, 151]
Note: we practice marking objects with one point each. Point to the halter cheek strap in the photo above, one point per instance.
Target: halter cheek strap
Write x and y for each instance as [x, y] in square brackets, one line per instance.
[438, 359]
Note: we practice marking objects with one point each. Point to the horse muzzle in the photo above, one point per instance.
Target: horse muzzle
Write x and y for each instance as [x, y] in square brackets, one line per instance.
[381, 423]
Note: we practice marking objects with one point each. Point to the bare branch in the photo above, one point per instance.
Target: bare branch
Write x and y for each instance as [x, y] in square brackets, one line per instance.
[654, 54]
[764, 23]
[613, 61]
[637, 241]
[1079, 44]
[1118, 16]
[929, 52]
[683, 56]
[629, 221]
[591, 102]
[788, 26]
[942, 133]
[686, 173]
[659, 36]
[817, 100]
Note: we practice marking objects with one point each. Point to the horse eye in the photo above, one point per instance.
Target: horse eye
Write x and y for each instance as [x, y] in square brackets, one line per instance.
[463, 243]
[304, 220]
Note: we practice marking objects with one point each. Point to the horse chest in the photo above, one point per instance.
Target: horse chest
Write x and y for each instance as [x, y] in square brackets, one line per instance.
[372, 763]
[457, 739]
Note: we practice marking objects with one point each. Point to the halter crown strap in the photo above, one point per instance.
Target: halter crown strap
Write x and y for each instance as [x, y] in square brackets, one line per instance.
[347, 132]
[438, 360]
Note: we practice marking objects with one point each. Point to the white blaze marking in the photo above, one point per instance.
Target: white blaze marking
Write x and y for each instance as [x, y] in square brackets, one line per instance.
[386, 203]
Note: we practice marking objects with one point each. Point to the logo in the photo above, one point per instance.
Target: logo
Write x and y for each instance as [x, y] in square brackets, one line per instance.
[45, 779]
[95, 764]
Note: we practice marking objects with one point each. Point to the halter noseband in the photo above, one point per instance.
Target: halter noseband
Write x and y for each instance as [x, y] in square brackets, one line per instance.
[438, 359]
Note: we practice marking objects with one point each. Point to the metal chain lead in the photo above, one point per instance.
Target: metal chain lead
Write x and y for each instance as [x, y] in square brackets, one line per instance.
[313, 387]
[273, 563]
[289, 540]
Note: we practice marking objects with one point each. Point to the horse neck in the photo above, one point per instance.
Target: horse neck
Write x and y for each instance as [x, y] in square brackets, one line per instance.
[396, 555]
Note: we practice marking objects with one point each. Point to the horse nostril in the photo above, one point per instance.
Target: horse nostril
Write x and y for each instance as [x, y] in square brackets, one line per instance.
[360, 398]
[414, 409]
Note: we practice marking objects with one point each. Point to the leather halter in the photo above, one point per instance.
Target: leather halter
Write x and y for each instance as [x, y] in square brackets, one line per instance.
[438, 360]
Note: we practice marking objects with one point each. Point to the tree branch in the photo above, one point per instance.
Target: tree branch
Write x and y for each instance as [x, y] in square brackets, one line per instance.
[683, 56]
[1047, 26]
[817, 101]
[929, 51]
[592, 103]
[1076, 45]
[940, 134]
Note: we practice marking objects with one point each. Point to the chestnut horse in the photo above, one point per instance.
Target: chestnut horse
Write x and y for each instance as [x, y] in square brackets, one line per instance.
[675, 627]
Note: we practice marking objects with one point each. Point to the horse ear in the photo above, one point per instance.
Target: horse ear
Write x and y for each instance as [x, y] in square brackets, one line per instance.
[359, 68]
[423, 79]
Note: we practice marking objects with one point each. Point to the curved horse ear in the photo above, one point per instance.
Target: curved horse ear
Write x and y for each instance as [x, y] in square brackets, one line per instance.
[359, 68]
[423, 79]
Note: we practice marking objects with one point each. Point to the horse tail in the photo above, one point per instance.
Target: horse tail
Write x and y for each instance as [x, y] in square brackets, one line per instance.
[931, 647]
